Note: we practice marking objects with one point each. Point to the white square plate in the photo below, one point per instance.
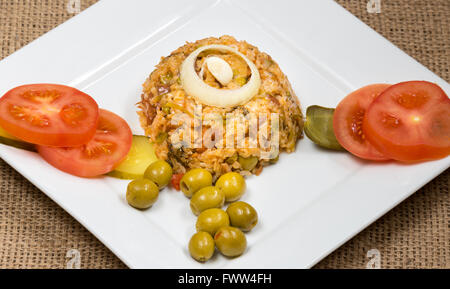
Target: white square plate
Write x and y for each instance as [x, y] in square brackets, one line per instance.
[309, 203]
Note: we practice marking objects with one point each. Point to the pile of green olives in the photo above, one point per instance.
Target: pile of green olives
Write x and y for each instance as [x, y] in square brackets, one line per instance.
[197, 185]
[217, 228]
[143, 193]
[223, 230]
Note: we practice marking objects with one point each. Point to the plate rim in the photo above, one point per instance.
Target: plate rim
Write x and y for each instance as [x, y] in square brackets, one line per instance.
[438, 166]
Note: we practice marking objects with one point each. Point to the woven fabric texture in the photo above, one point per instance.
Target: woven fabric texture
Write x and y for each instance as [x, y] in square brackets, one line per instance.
[37, 233]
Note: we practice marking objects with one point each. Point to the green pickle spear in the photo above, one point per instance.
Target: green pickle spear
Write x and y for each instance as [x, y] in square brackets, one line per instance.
[9, 140]
[141, 155]
[319, 127]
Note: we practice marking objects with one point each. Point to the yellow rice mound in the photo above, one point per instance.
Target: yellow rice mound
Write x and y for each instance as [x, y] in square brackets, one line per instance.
[163, 96]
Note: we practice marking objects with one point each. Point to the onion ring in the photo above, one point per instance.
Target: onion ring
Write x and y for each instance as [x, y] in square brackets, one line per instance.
[196, 87]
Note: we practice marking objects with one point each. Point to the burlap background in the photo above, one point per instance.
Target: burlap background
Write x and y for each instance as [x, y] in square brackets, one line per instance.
[36, 233]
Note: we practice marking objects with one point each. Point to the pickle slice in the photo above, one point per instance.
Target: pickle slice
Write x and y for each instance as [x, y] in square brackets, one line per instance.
[319, 127]
[141, 155]
[9, 140]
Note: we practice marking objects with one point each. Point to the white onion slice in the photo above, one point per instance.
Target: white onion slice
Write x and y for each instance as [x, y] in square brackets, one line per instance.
[196, 87]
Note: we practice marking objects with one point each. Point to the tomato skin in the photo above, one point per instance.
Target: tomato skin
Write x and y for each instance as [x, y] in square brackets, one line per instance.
[410, 122]
[348, 118]
[106, 150]
[49, 114]
[175, 181]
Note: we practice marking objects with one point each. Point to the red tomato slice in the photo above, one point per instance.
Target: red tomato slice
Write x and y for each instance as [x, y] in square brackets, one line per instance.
[106, 150]
[348, 118]
[410, 121]
[49, 114]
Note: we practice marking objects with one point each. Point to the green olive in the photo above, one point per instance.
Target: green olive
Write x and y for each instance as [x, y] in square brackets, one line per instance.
[232, 185]
[319, 127]
[230, 241]
[211, 220]
[207, 198]
[194, 180]
[249, 163]
[242, 216]
[142, 193]
[201, 246]
[166, 78]
[232, 159]
[159, 172]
